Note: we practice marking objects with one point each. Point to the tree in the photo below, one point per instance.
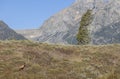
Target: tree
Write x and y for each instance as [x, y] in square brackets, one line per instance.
[83, 33]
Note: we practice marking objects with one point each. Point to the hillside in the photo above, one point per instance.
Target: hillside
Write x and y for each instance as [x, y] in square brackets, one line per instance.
[44, 61]
[6, 33]
[29, 33]
[62, 27]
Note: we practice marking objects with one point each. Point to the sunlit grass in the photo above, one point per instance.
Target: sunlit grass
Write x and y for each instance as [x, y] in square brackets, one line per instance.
[45, 61]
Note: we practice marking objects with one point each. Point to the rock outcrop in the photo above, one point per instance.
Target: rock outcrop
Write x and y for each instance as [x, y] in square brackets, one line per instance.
[63, 26]
[7, 33]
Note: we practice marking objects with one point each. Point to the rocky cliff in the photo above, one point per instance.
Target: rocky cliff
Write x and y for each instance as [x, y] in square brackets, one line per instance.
[7, 33]
[63, 26]
[30, 34]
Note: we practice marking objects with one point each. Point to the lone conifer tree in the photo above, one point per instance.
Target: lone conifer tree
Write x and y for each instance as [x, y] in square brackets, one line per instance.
[83, 33]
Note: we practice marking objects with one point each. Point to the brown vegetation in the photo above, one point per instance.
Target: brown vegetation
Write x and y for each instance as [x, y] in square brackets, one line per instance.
[44, 61]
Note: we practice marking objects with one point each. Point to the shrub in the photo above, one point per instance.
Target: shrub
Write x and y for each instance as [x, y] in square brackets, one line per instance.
[83, 33]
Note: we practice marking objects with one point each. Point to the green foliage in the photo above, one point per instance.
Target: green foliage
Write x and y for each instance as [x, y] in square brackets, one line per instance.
[83, 33]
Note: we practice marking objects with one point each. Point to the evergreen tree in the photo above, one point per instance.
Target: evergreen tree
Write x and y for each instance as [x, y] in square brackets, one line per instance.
[83, 33]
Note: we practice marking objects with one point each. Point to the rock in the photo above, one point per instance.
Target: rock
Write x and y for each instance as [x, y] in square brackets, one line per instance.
[7, 33]
[62, 27]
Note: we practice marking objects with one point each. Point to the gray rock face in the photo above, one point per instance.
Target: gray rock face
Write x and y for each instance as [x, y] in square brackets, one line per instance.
[106, 25]
[7, 33]
[29, 33]
[108, 34]
[63, 26]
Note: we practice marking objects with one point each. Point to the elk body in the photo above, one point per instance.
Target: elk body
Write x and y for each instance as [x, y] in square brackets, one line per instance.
[22, 67]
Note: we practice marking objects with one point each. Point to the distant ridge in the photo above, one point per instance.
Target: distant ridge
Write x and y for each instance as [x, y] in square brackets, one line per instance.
[6, 33]
[62, 27]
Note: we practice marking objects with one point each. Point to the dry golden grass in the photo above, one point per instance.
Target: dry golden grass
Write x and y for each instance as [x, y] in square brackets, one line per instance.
[45, 61]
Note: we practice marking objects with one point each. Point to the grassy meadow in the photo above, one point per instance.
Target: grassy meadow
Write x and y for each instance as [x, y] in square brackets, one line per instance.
[48, 61]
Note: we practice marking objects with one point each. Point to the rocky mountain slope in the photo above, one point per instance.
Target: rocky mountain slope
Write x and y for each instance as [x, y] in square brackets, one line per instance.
[63, 26]
[7, 33]
[29, 33]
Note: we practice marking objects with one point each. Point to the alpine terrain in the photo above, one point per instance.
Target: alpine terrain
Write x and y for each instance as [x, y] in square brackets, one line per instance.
[63, 26]
[7, 33]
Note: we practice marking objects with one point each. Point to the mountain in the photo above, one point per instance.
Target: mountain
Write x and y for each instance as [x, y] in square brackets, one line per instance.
[7, 33]
[29, 33]
[63, 26]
